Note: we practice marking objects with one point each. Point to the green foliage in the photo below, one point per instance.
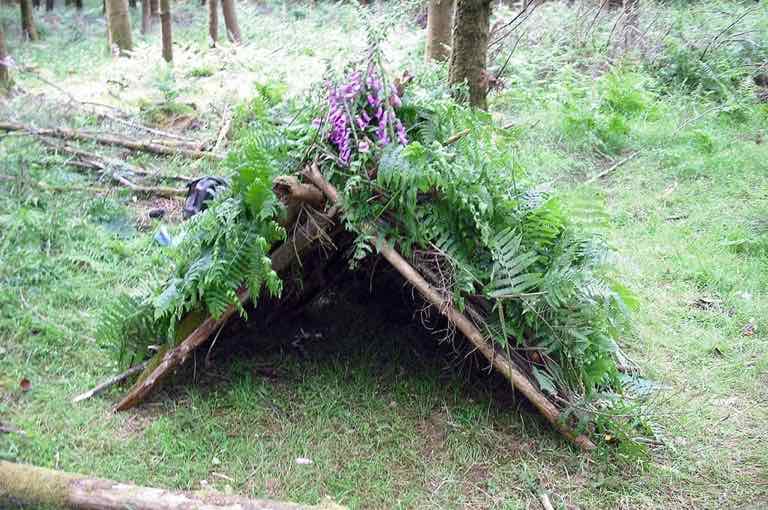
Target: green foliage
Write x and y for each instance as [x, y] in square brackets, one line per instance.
[601, 117]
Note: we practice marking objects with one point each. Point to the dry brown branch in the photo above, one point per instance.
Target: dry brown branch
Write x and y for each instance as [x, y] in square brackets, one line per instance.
[73, 134]
[226, 126]
[282, 258]
[497, 358]
[611, 168]
[36, 487]
[110, 382]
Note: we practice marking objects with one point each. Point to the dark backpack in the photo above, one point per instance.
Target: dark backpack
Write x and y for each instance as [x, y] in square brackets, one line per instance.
[199, 192]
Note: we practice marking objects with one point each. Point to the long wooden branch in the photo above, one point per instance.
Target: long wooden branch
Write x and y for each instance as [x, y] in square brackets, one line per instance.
[74, 134]
[35, 487]
[498, 359]
[282, 258]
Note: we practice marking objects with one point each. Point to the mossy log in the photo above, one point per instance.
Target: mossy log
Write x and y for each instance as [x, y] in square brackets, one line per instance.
[33, 487]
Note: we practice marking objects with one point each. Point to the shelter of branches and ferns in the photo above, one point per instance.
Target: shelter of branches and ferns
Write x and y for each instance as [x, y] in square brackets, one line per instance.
[371, 168]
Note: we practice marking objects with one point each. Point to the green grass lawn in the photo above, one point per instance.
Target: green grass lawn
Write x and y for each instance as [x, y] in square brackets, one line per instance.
[384, 415]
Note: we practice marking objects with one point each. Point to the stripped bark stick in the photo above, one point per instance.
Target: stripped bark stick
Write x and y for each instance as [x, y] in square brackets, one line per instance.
[497, 358]
[73, 134]
[110, 382]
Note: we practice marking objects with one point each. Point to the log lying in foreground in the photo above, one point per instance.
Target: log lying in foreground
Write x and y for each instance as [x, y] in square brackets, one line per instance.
[74, 134]
[498, 359]
[30, 486]
[282, 258]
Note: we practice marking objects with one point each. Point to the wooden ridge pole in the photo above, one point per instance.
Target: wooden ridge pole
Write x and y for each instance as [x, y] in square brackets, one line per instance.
[499, 360]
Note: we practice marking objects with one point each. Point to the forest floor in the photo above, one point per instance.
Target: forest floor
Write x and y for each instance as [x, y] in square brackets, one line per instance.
[380, 411]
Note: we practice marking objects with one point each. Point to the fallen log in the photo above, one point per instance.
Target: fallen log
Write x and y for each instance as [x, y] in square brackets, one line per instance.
[282, 258]
[498, 359]
[74, 134]
[25, 485]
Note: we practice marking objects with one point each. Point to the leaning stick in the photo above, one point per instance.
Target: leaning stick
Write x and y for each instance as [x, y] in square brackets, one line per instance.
[37, 487]
[281, 258]
[110, 382]
[226, 126]
[611, 168]
[74, 134]
[498, 359]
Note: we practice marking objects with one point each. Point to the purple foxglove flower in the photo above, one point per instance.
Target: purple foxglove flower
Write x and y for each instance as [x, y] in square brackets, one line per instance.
[400, 130]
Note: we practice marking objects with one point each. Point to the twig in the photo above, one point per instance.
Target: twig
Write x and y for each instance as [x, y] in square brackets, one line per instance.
[7, 429]
[545, 501]
[73, 134]
[611, 168]
[226, 126]
[723, 31]
[110, 382]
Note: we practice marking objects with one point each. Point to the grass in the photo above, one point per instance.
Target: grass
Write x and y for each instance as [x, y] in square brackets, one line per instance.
[380, 411]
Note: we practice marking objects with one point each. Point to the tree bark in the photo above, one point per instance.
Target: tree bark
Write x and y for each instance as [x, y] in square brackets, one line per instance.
[28, 29]
[146, 17]
[439, 23]
[471, 24]
[119, 25]
[213, 23]
[631, 27]
[154, 8]
[165, 27]
[29, 485]
[5, 75]
[230, 21]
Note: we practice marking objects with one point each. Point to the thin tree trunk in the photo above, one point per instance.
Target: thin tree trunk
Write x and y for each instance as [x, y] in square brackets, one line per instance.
[28, 29]
[471, 24]
[230, 21]
[36, 487]
[213, 22]
[154, 8]
[5, 76]
[119, 22]
[165, 25]
[146, 17]
[49, 4]
[439, 23]
[631, 27]
[36, 4]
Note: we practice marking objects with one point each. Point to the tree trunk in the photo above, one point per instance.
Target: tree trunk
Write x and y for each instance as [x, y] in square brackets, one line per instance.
[28, 29]
[49, 4]
[439, 22]
[631, 24]
[165, 25]
[119, 25]
[5, 76]
[213, 23]
[79, 5]
[146, 17]
[36, 4]
[471, 24]
[28, 485]
[154, 8]
[230, 21]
